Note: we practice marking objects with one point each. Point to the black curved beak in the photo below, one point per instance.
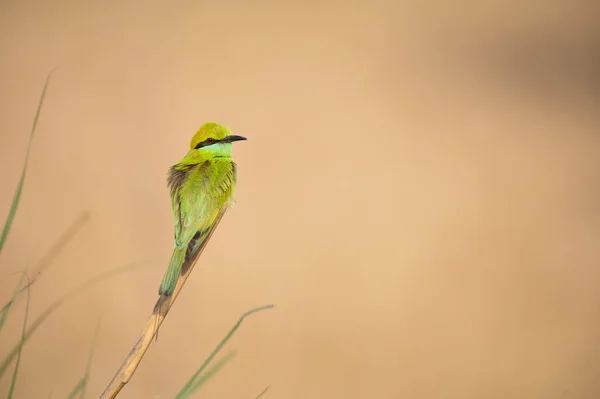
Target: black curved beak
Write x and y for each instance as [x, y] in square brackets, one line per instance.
[231, 139]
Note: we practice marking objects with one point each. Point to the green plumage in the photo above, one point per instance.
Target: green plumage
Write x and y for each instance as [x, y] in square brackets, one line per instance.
[202, 185]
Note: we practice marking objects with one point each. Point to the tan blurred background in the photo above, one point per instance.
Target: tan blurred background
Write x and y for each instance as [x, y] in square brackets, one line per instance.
[418, 195]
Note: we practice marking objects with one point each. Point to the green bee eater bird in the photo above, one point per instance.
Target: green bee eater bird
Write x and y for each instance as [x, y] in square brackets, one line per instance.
[202, 185]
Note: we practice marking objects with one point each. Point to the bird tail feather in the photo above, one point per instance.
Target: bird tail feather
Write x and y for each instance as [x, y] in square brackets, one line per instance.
[169, 281]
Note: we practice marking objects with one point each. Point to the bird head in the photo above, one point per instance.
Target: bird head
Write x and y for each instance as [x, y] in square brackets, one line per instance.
[213, 140]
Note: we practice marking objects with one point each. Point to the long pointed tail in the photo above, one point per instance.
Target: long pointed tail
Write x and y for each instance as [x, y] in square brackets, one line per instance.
[169, 281]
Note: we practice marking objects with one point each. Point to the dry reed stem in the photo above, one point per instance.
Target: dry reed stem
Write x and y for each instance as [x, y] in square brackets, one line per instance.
[162, 307]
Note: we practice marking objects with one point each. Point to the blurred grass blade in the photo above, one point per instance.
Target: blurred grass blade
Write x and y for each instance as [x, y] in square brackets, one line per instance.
[20, 348]
[88, 366]
[58, 246]
[191, 382]
[263, 392]
[17, 197]
[81, 385]
[206, 376]
[9, 306]
[78, 388]
[41, 318]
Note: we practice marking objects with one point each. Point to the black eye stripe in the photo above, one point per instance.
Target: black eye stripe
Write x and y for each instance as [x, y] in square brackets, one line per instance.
[209, 141]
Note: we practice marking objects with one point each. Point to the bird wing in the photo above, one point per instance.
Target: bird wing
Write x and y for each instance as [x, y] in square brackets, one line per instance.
[198, 194]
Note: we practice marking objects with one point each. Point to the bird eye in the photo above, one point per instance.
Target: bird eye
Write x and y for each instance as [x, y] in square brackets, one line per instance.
[210, 141]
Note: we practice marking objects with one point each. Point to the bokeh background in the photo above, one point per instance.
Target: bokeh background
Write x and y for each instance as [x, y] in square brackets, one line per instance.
[419, 194]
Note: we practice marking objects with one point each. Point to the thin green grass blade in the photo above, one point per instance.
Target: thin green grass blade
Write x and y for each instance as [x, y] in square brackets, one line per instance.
[20, 348]
[206, 376]
[17, 196]
[80, 387]
[12, 300]
[41, 318]
[191, 381]
[263, 392]
[88, 366]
